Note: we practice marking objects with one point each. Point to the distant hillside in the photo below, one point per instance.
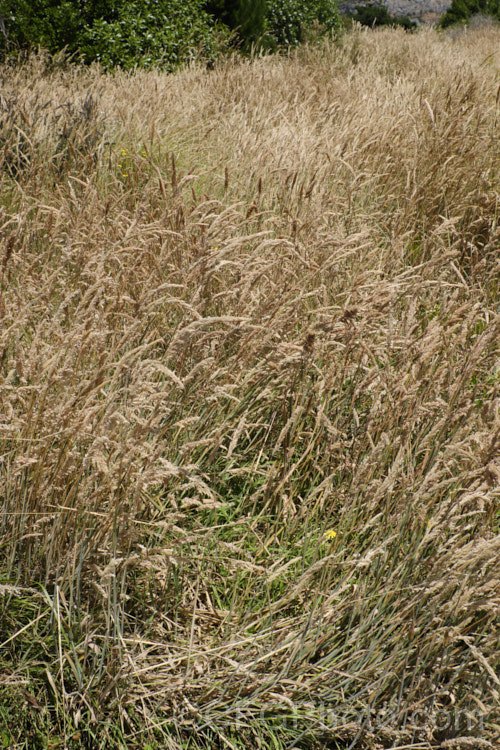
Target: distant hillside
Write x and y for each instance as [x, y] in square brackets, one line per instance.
[427, 11]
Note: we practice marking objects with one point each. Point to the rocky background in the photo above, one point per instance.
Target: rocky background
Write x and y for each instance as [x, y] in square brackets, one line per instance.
[425, 11]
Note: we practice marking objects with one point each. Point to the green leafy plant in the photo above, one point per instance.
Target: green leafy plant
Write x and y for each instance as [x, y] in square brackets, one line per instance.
[376, 14]
[247, 18]
[48, 23]
[460, 11]
[288, 20]
[164, 33]
[150, 33]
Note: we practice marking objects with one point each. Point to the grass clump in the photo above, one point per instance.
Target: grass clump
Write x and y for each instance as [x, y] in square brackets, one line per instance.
[249, 373]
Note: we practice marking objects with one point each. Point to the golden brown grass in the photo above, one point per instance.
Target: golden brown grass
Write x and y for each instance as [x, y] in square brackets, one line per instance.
[239, 309]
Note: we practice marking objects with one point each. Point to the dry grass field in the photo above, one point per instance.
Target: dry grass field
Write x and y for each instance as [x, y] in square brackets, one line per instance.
[250, 400]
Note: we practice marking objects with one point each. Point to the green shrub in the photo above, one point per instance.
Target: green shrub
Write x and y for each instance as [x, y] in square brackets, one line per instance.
[164, 33]
[246, 17]
[47, 23]
[142, 32]
[275, 23]
[375, 14]
[288, 20]
[461, 10]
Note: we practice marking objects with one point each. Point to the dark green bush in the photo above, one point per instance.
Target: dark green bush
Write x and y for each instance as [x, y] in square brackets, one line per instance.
[289, 20]
[49, 23]
[164, 33]
[247, 18]
[461, 10]
[114, 32]
[376, 14]
[275, 23]
[405, 22]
